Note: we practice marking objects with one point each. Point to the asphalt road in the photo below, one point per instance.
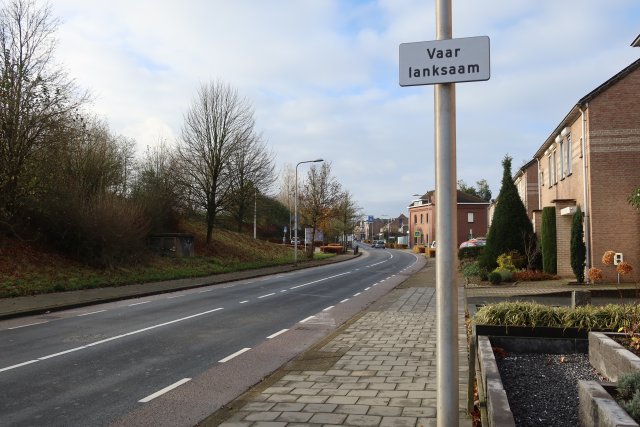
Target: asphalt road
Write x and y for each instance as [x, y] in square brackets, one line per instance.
[112, 363]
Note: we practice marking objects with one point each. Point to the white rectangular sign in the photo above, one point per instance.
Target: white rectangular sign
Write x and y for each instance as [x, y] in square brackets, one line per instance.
[444, 61]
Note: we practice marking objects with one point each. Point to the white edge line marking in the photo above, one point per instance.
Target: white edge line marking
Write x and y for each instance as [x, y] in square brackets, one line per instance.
[243, 302]
[93, 312]
[355, 295]
[206, 290]
[366, 289]
[164, 390]
[307, 319]
[71, 350]
[30, 324]
[319, 280]
[177, 296]
[344, 300]
[231, 356]
[49, 356]
[138, 303]
[328, 308]
[18, 365]
[284, 290]
[267, 295]
[277, 333]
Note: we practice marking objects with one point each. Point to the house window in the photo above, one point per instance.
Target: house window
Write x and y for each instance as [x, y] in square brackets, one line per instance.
[421, 219]
[469, 216]
[427, 217]
[554, 165]
[415, 219]
[550, 171]
[569, 155]
[562, 159]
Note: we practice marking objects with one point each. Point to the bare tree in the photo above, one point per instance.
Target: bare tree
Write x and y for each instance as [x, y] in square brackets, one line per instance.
[346, 215]
[35, 96]
[251, 172]
[319, 195]
[154, 187]
[216, 122]
[287, 191]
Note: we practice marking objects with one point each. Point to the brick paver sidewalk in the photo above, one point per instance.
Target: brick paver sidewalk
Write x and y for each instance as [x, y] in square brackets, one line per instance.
[386, 377]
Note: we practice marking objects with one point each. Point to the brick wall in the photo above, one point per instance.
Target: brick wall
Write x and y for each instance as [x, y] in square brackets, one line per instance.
[479, 225]
[427, 227]
[614, 159]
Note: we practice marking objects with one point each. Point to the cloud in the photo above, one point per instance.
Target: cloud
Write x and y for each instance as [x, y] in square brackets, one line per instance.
[323, 77]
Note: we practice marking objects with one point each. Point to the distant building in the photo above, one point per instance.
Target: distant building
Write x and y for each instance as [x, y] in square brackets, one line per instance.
[472, 218]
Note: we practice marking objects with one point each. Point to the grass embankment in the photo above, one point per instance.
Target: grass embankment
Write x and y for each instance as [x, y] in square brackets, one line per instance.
[28, 269]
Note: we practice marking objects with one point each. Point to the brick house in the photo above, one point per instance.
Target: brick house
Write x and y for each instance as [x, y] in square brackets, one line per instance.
[592, 159]
[472, 218]
[526, 181]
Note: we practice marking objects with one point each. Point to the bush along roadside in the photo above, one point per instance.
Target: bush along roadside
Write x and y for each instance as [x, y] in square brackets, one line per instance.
[612, 317]
[629, 394]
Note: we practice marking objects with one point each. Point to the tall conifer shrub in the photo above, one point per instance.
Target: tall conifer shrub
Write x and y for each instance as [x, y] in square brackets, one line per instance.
[578, 248]
[548, 240]
[510, 227]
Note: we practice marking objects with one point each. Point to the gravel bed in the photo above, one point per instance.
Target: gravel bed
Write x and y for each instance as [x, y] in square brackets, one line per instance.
[543, 388]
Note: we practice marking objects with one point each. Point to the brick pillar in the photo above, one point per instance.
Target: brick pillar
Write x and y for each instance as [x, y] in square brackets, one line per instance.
[563, 238]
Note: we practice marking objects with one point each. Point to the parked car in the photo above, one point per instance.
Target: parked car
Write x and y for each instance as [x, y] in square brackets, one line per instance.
[378, 244]
[474, 242]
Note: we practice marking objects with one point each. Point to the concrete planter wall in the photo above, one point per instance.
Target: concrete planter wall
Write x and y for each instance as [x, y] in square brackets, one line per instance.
[599, 409]
[610, 358]
[498, 411]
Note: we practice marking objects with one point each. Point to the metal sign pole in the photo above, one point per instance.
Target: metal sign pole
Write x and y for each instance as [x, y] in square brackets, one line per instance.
[446, 286]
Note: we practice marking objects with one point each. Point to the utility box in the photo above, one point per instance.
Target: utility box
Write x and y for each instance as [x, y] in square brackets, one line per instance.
[618, 258]
[172, 244]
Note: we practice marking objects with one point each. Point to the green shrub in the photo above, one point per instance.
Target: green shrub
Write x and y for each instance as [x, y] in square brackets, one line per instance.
[518, 313]
[629, 394]
[510, 225]
[548, 240]
[505, 275]
[505, 263]
[519, 261]
[470, 252]
[578, 247]
[473, 269]
[495, 278]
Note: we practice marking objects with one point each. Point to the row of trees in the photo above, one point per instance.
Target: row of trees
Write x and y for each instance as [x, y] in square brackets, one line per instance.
[322, 202]
[67, 178]
[481, 189]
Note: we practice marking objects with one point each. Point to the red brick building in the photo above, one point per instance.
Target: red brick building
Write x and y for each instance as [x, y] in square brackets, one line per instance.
[472, 218]
[592, 159]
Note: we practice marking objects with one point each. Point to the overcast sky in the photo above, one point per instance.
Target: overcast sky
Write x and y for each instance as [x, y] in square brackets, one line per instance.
[322, 76]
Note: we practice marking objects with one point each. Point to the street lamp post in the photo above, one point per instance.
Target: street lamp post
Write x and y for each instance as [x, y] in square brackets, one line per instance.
[255, 213]
[295, 204]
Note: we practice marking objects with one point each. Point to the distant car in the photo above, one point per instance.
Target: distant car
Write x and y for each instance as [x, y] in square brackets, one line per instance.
[474, 242]
[433, 244]
[378, 244]
[295, 240]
